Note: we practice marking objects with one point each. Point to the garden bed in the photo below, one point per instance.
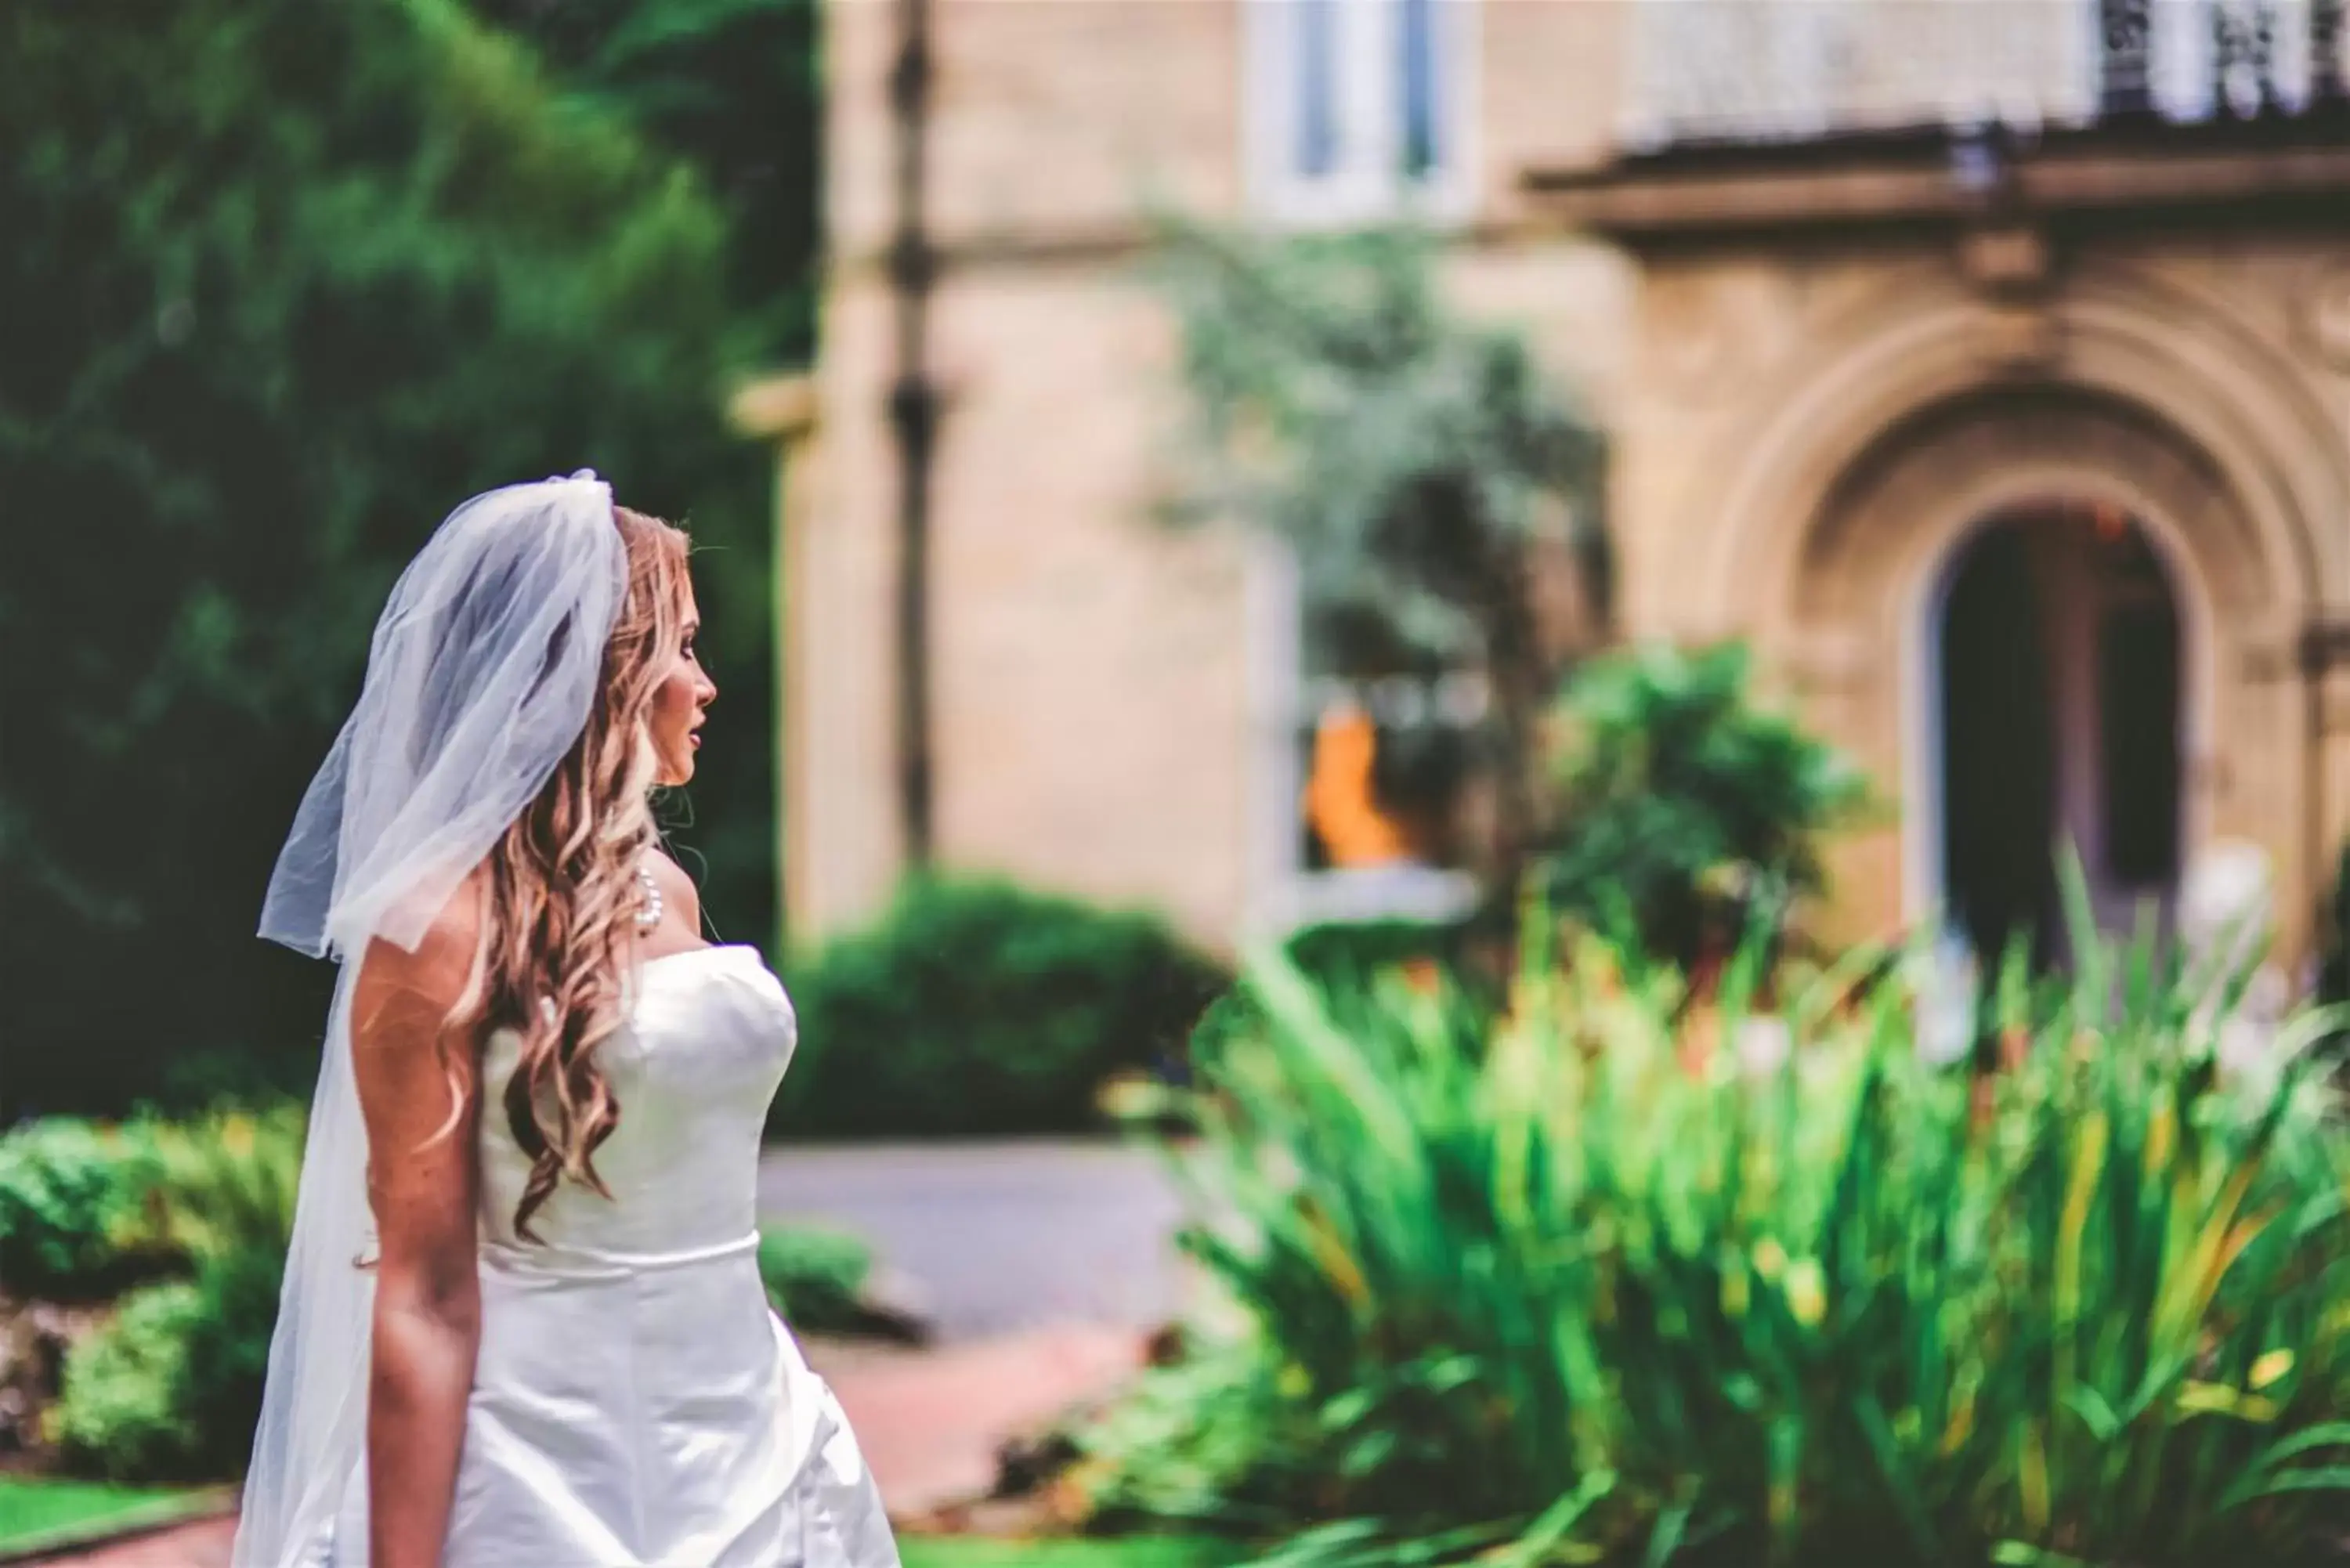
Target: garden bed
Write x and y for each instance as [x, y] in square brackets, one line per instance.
[1612, 1273]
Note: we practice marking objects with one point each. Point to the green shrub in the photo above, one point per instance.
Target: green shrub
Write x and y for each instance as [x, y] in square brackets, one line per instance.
[1602, 1279]
[170, 1387]
[227, 1353]
[1679, 800]
[815, 1278]
[974, 1006]
[73, 1207]
[121, 1414]
[87, 1209]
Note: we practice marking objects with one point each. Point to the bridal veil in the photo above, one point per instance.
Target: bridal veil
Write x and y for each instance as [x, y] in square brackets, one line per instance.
[481, 676]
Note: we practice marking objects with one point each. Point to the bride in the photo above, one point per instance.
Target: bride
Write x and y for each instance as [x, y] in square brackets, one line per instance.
[523, 1324]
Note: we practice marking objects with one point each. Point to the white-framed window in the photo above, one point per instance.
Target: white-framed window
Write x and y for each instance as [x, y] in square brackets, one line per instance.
[1361, 798]
[1360, 111]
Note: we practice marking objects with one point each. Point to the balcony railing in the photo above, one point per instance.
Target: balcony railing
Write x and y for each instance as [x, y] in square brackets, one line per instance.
[1780, 70]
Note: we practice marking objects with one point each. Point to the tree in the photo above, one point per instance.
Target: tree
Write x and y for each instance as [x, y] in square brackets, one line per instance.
[1419, 466]
[282, 282]
[735, 89]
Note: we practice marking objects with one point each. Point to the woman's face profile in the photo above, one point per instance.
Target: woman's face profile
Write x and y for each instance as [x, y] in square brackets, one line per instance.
[685, 691]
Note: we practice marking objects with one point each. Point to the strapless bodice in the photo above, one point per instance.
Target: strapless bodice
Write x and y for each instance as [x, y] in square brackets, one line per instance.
[709, 1033]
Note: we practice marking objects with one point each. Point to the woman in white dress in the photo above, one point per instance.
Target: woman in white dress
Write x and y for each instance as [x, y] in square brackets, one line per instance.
[523, 1324]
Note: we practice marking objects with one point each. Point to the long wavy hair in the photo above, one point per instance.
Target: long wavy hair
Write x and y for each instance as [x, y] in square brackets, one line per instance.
[561, 895]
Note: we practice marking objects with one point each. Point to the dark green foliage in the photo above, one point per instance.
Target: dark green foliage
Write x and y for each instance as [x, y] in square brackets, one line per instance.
[120, 1415]
[976, 1007]
[735, 87]
[73, 1202]
[227, 1352]
[169, 1389]
[284, 283]
[1680, 800]
[1411, 457]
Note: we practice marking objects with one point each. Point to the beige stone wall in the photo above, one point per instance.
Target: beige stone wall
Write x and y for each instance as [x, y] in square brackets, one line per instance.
[1092, 694]
[1795, 454]
[841, 840]
[1550, 87]
[1085, 667]
[1097, 725]
[1051, 120]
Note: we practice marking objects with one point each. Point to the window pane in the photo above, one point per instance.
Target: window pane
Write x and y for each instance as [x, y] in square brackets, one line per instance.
[1422, 151]
[1318, 88]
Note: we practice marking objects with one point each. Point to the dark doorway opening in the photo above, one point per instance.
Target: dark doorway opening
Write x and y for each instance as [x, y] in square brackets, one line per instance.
[2059, 657]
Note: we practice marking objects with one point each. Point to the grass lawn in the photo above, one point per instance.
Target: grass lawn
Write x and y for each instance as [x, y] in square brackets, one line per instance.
[974, 1551]
[37, 1510]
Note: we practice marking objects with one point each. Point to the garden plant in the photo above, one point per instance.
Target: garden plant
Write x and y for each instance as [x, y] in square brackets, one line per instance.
[1594, 1276]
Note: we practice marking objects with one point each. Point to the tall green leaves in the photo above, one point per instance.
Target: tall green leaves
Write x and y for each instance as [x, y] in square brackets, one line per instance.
[1610, 1278]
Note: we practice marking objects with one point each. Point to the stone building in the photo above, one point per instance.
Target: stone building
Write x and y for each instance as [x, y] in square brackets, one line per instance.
[1986, 363]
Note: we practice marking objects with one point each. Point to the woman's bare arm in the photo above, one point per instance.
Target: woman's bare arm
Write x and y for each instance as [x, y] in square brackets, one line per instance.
[420, 1098]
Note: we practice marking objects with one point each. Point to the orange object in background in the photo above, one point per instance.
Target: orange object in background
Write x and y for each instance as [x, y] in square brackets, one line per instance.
[1340, 798]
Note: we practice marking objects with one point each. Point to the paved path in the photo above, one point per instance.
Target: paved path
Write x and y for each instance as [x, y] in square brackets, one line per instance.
[1001, 1238]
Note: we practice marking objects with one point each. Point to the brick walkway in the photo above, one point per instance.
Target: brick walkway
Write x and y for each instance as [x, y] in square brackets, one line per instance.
[203, 1545]
[931, 1422]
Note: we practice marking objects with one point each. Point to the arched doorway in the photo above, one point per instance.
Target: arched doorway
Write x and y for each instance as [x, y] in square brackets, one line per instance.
[2057, 656]
[1845, 490]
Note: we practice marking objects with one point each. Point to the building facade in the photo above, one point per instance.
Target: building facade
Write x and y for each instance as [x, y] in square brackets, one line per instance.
[1986, 363]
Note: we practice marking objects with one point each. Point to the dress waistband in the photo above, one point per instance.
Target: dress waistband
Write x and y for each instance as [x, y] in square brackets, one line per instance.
[529, 1260]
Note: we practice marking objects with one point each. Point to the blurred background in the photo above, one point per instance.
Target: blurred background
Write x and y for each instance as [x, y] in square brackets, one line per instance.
[1371, 494]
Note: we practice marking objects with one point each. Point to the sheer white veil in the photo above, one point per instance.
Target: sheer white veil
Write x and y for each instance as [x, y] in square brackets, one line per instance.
[481, 676]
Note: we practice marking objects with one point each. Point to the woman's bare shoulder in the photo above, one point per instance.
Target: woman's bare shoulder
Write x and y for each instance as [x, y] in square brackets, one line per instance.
[436, 969]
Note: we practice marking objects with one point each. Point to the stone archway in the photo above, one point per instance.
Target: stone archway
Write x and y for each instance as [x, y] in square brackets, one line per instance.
[1861, 612]
[1881, 429]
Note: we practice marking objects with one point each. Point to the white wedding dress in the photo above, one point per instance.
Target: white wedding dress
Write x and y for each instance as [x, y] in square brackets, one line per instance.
[636, 1404]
